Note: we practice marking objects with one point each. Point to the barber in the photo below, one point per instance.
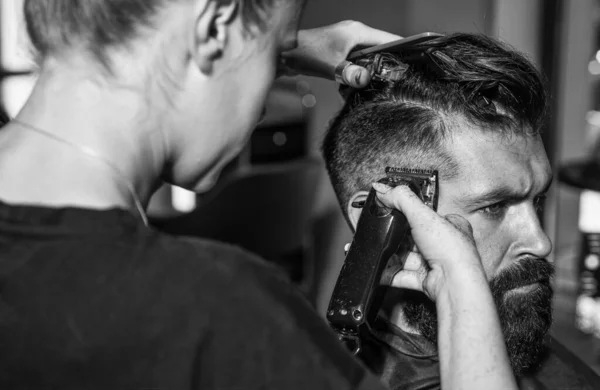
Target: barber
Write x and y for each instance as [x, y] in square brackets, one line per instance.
[134, 93]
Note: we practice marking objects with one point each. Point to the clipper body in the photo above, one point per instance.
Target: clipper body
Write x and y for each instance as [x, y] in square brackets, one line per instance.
[380, 233]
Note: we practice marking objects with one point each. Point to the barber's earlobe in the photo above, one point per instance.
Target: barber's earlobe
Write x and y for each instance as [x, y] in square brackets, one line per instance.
[352, 208]
[211, 32]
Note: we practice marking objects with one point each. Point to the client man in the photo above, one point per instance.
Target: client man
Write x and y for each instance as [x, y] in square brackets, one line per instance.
[473, 111]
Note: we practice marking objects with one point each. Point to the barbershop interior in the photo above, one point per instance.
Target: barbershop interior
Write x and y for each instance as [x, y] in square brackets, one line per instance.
[275, 198]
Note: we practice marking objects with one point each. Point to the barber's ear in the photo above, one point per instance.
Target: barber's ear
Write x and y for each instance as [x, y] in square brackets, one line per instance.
[212, 26]
[354, 212]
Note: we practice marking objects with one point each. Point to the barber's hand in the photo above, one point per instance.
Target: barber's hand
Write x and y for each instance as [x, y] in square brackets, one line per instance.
[320, 50]
[446, 244]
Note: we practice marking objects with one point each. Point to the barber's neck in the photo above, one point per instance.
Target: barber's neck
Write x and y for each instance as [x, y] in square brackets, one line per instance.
[86, 107]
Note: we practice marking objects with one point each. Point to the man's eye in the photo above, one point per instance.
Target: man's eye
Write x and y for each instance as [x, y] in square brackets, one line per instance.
[495, 211]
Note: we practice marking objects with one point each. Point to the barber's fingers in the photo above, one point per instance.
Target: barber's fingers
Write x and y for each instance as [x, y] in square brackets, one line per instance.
[321, 50]
[461, 224]
[411, 280]
[443, 242]
[369, 36]
[414, 261]
[421, 218]
[412, 276]
[363, 36]
[404, 199]
[355, 76]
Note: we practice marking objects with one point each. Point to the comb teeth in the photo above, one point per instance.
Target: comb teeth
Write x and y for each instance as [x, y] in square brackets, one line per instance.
[393, 170]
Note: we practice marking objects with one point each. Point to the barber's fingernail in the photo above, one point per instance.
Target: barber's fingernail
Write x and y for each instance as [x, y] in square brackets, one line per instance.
[346, 248]
[381, 188]
[353, 76]
[357, 77]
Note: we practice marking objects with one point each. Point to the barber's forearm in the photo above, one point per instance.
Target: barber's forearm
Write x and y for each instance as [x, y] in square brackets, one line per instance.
[471, 345]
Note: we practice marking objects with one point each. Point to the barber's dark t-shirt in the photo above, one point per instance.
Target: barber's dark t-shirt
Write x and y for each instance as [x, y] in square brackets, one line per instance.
[95, 300]
[409, 362]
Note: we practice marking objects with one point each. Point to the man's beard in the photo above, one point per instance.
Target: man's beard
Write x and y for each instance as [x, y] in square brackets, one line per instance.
[525, 317]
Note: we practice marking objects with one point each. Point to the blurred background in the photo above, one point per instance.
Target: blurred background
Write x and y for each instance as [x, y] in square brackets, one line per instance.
[275, 198]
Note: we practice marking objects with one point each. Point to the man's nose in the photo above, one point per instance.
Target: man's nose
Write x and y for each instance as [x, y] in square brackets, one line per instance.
[533, 239]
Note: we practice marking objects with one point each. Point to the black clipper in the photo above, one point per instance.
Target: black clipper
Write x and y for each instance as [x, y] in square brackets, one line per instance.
[380, 233]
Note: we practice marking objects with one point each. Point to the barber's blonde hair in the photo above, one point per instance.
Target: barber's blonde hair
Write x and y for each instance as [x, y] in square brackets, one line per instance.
[95, 25]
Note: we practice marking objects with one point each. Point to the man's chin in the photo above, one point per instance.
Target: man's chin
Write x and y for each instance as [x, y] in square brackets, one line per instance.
[525, 316]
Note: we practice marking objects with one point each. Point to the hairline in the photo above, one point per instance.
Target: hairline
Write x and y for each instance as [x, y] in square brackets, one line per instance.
[454, 123]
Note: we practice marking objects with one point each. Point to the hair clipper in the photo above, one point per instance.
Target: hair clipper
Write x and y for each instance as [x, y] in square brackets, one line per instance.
[380, 233]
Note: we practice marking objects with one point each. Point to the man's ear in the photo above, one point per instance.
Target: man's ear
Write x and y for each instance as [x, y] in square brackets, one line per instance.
[212, 29]
[354, 212]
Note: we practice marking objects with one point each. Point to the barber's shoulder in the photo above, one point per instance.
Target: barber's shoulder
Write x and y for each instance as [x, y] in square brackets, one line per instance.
[219, 261]
[226, 274]
[224, 257]
[251, 302]
[209, 276]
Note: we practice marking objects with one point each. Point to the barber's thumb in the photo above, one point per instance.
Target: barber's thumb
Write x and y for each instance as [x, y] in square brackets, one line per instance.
[408, 275]
[411, 280]
[356, 76]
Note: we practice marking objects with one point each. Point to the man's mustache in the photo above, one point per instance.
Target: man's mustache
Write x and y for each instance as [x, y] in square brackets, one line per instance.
[526, 271]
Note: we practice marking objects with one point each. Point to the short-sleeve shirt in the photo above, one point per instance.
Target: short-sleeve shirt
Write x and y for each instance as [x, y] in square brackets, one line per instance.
[93, 299]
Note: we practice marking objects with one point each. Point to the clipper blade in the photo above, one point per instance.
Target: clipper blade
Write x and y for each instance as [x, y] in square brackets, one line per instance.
[424, 182]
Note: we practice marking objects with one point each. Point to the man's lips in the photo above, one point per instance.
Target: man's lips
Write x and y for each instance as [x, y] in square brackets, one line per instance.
[530, 285]
[525, 288]
[526, 272]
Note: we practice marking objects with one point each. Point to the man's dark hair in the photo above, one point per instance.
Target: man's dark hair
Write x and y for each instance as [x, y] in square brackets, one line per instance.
[480, 82]
[54, 25]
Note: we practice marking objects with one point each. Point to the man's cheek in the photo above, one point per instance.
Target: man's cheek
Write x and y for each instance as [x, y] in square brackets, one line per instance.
[488, 235]
[488, 239]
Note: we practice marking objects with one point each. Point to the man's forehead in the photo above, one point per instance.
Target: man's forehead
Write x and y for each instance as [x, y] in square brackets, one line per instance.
[488, 160]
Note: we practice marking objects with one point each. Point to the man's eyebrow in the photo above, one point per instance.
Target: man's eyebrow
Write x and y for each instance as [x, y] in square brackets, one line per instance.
[494, 195]
[504, 193]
